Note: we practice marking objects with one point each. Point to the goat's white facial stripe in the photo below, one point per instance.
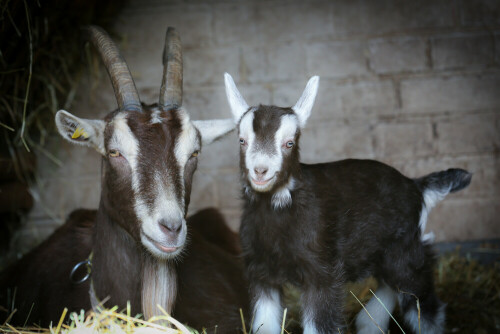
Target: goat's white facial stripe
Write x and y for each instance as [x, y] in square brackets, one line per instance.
[187, 142]
[246, 128]
[165, 206]
[124, 141]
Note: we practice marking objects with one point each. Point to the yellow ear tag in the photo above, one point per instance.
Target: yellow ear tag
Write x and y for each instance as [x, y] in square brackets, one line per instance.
[79, 132]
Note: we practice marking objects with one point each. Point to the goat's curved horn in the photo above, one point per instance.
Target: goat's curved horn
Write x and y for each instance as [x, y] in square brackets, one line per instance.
[123, 84]
[171, 85]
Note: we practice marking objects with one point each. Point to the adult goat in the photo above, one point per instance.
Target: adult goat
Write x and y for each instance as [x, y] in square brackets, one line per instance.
[318, 226]
[142, 251]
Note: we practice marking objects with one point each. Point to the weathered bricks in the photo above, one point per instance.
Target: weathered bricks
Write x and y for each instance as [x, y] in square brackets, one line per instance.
[337, 59]
[480, 12]
[398, 55]
[277, 62]
[438, 94]
[369, 18]
[410, 140]
[462, 50]
[469, 134]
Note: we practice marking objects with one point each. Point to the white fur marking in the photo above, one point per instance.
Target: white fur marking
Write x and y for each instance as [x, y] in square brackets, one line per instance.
[364, 325]
[308, 324]
[283, 198]
[155, 117]
[124, 140]
[186, 142]
[168, 208]
[310, 328]
[425, 237]
[268, 313]
[422, 325]
[431, 198]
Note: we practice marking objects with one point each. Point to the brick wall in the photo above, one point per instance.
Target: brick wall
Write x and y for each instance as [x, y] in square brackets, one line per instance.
[415, 84]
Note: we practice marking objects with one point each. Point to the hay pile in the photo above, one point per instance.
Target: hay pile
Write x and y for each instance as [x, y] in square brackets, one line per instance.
[107, 321]
[472, 292]
[42, 61]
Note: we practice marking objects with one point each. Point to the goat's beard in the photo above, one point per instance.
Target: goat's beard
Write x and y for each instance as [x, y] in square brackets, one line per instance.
[159, 286]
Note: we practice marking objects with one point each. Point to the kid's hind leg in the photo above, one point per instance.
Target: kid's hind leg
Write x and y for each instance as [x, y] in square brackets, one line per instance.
[378, 309]
[412, 276]
[430, 319]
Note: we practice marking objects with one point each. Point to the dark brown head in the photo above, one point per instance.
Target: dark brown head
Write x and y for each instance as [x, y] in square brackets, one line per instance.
[269, 138]
[149, 152]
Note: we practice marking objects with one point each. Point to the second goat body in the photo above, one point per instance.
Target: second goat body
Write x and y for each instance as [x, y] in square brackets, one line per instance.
[318, 226]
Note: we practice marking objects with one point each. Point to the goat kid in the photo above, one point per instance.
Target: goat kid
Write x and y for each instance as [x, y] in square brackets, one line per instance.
[318, 226]
[142, 251]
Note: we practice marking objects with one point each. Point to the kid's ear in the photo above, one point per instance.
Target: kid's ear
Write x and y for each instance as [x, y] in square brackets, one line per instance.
[304, 105]
[81, 131]
[214, 129]
[236, 101]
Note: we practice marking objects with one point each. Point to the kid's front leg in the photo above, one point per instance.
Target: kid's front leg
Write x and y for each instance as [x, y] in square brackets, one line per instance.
[267, 310]
[322, 310]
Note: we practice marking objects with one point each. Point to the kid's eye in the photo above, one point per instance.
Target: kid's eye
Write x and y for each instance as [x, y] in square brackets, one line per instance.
[195, 153]
[242, 141]
[289, 144]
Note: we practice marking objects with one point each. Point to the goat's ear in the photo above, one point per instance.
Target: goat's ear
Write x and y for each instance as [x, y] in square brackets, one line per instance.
[304, 105]
[80, 131]
[214, 129]
[236, 101]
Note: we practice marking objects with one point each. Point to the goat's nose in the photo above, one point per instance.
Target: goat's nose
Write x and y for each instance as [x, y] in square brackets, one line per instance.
[170, 227]
[260, 171]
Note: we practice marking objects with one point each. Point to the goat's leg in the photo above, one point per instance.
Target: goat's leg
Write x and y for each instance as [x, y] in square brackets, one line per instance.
[364, 323]
[322, 309]
[413, 277]
[430, 319]
[431, 316]
[268, 311]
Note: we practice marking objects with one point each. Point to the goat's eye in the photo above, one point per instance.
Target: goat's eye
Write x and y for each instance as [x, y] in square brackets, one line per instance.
[195, 154]
[289, 144]
[242, 141]
[114, 153]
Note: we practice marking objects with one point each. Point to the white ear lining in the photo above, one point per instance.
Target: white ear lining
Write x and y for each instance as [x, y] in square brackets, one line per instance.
[304, 105]
[234, 97]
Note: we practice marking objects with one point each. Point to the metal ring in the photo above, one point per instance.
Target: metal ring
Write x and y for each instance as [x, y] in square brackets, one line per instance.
[75, 268]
